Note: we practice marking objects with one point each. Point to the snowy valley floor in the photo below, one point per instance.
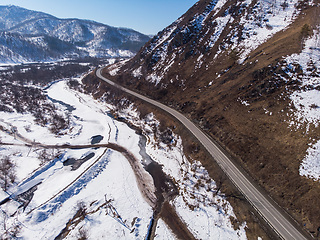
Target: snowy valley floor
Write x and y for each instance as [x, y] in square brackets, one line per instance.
[95, 192]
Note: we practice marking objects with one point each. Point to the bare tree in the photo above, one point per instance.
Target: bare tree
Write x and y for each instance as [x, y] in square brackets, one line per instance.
[82, 209]
[9, 231]
[44, 157]
[82, 234]
[58, 123]
[220, 180]
[7, 172]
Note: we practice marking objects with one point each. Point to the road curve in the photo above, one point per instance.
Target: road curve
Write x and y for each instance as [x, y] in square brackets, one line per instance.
[266, 208]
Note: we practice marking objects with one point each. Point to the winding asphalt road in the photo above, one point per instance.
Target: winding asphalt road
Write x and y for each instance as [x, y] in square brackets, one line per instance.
[263, 205]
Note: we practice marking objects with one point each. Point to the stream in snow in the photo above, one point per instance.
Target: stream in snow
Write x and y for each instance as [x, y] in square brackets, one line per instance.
[161, 181]
[163, 184]
[143, 152]
[54, 189]
[91, 123]
[104, 181]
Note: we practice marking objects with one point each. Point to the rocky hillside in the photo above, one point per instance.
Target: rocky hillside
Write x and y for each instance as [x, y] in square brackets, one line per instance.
[248, 73]
[32, 36]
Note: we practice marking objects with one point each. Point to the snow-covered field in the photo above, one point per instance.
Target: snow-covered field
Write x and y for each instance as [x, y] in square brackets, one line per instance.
[206, 213]
[104, 185]
[111, 177]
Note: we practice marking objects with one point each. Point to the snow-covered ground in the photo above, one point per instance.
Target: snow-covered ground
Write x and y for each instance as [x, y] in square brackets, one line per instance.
[163, 232]
[306, 100]
[105, 184]
[206, 214]
[276, 16]
[266, 19]
[310, 166]
[111, 177]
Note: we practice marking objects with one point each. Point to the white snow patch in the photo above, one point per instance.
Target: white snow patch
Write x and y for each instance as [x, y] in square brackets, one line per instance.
[154, 78]
[114, 69]
[276, 18]
[207, 221]
[307, 104]
[221, 23]
[163, 232]
[137, 72]
[306, 101]
[310, 166]
[243, 102]
[165, 36]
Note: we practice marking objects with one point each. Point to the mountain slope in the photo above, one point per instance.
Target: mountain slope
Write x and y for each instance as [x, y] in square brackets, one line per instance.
[83, 37]
[18, 48]
[248, 73]
[11, 16]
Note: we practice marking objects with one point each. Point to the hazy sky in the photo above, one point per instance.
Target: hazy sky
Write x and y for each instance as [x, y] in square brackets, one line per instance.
[146, 16]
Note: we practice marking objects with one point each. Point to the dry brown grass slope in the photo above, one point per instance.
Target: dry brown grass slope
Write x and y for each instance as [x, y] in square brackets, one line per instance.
[263, 143]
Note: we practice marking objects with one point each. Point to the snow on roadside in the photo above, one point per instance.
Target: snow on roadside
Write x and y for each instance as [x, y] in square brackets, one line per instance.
[114, 68]
[198, 205]
[205, 213]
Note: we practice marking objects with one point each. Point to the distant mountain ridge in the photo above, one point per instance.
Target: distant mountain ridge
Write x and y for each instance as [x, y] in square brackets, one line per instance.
[32, 36]
[11, 16]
